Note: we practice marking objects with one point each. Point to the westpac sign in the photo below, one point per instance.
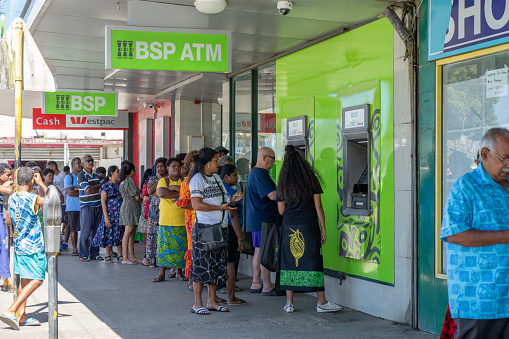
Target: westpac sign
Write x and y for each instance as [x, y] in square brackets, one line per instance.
[466, 25]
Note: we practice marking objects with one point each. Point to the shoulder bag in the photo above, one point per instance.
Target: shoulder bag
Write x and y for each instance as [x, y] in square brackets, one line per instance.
[211, 236]
[153, 210]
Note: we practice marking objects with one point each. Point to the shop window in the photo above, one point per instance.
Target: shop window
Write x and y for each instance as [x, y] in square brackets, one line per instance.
[473, 98]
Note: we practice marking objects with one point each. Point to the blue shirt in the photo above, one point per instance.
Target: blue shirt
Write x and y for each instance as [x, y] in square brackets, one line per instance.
[477, 277]
[27, 234]
[85, 180]
[72, 203]
[231, 192]
[259, 208]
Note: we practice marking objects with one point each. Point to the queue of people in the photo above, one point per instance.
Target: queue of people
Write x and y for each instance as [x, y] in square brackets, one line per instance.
[190, 210]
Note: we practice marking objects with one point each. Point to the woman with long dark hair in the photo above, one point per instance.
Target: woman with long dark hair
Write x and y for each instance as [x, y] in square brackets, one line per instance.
[129, 211]
[209, 200]
[109, 233]
[303, 234]
[143, 222]
[159, 171]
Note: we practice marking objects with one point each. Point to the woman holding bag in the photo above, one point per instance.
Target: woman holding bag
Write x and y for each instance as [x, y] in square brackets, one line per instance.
[303, 234]
[208, 197]
[159, 171]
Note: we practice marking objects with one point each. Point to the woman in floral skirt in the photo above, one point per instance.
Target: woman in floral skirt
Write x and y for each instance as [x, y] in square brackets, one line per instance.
[110, 233]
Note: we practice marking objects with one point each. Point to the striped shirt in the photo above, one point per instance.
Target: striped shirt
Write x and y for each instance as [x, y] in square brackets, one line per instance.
[27, 225]
[86, 180]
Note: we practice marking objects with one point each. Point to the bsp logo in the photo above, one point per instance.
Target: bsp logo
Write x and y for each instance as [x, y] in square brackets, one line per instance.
[125, 49]
[77, 103]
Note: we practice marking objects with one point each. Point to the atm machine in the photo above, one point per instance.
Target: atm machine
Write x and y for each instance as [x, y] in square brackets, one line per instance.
[356, 160]
[297, 134]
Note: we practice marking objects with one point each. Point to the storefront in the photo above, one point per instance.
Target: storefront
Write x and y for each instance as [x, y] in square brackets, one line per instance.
[463, 90]
[348, 99]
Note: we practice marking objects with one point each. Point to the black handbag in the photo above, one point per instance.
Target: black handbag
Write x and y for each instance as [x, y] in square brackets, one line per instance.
[211, 235]
[269, 244]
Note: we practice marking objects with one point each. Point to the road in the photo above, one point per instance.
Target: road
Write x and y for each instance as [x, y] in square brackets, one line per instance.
[99, 300]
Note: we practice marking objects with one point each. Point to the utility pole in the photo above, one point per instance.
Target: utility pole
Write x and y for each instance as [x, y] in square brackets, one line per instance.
[18, 92]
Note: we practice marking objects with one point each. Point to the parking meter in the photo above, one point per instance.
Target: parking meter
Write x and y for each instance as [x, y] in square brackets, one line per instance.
[52, 212]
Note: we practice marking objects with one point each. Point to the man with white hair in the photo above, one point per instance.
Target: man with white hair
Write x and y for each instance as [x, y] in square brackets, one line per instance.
[475, 226]
[261, 207]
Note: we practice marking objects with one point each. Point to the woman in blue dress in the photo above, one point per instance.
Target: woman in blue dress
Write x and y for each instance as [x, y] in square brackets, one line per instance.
[110, 233]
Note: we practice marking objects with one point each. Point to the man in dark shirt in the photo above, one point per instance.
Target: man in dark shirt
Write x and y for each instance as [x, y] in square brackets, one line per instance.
[90, 208]
[261, 207]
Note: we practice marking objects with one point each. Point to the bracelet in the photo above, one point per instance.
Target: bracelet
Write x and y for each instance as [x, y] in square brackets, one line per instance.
[221, 207]
[241, 239]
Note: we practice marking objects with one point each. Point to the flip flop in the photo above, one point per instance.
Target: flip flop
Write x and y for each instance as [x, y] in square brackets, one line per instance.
[272, 292]
[10, 320]
[158, 279]
[182, 279]
[219, 309]
[74, 254]
[201, 311]
[242, 302]
[222, 301]
[31, 322]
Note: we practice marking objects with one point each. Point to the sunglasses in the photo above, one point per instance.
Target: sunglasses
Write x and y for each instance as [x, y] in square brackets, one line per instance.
[89, 160]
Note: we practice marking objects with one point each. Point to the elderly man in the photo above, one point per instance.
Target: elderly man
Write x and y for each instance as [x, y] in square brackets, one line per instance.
[476, 228]
[261, 207]
[90, 208]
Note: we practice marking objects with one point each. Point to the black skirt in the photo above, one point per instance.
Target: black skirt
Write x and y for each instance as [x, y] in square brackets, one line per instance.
[208, 267]
[301, 261]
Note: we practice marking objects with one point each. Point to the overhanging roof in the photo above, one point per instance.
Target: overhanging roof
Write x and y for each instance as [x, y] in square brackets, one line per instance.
[70, 36]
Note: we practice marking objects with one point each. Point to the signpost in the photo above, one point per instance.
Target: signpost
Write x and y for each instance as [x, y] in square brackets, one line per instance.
[67, 122]
[80, 103]
[168, 50]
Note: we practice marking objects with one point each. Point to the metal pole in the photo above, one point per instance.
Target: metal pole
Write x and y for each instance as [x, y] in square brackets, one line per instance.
[18, 88]
[53, 295]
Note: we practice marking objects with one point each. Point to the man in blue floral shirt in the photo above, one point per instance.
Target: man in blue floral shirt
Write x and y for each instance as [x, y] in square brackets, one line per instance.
[475, 226]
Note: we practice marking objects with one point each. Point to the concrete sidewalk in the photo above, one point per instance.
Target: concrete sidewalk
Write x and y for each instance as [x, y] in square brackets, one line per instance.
[99, 300]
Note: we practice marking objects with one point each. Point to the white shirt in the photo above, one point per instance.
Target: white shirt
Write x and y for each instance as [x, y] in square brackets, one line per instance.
[212, 190]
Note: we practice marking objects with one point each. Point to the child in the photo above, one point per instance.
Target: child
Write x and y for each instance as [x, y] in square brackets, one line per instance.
[29, 254]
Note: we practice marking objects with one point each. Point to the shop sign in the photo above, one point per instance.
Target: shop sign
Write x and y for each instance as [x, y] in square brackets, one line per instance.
[168, 50]
[461, 26]
[80, 103]
[266, 123]
[65, 122]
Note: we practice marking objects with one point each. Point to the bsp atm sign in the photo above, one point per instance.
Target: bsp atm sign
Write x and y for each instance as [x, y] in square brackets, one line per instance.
[168, 50]
[80, 103]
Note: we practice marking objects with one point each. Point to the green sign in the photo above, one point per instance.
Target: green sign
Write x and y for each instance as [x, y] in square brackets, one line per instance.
[80, 103]
[175, 50]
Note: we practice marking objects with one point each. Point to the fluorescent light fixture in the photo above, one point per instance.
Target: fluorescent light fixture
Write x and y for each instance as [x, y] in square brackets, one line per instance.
[210, 6]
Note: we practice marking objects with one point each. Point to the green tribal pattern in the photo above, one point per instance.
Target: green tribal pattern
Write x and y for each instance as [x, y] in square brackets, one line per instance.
[302, 278]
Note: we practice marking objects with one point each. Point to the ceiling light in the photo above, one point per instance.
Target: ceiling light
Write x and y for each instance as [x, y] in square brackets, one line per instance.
[210, 6]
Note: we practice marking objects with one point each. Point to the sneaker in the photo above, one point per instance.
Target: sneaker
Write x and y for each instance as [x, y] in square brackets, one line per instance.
[329, 307]
[289, 308]
[64, 247]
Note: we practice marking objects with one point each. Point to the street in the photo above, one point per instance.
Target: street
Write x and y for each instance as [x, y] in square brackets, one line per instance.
[99, 300]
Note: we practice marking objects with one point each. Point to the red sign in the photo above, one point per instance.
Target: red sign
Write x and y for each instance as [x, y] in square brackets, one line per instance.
[47, 121]
[65, 121]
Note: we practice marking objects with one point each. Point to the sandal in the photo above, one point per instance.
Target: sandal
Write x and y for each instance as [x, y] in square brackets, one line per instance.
[219, 309]
[120, 258]
[74, 254]
[240, 302]
[201, 311]
[182, 278]
[145, 262]
[108, 260]
[128, 262]
[158, 279]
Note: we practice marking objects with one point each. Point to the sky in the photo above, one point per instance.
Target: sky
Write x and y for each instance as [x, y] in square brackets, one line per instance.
[7, 128]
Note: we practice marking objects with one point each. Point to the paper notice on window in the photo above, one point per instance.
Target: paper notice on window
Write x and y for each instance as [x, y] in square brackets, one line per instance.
[496, 83]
